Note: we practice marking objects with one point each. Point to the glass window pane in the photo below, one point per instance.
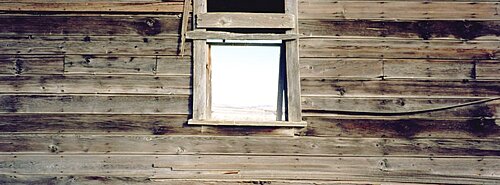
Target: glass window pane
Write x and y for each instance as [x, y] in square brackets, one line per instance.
[244, 82]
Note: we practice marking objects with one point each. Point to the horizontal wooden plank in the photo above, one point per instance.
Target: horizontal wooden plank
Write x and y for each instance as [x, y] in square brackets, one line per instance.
[118, 104]
[96, 84]
[167, 65]
[402, 126]
[388, 169]
[203, 35]
[46, 25]
[96, 123]
[131, 45]
[390, 68]
[130, 124]
[28, 65]
[122, 64]
[424, 29]
[345, 67]
[92, 6]
[238, 145]
[388, 88]
[488, 70]
[399, 49]
[245, 20]
[119, 180]
[412, 107]
[91, 64]
[433, 69]
[398, 10]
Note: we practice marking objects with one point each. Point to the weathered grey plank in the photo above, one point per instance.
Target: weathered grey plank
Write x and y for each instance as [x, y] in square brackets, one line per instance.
[184, 25]
[92, 25]
[108, 64]
[245, 20]
[399, 49]
[203, 35]
[363, 88]
[91, 45]
[399, 126]
[475, 170]
[92, 6]
[169, 65]
[109, 104]
[96, 123]
[398, 10]
[119, 180]
[200, 69]
[344, 67]
[239, 145]
[318, 125]
[425, 29]
[413, 107]
[488, 70]
[388, 68]
[96, 84]
[437, 69]
[26, 65]
[130, 124]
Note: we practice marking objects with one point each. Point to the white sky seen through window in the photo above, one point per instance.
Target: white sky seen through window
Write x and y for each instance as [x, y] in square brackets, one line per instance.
[245, 81]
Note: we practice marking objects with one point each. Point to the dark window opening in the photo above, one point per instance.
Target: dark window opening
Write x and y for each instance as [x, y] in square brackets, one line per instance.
[250, 6]
[250, 30]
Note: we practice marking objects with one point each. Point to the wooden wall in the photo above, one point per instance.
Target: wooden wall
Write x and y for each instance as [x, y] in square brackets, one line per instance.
[94, 92]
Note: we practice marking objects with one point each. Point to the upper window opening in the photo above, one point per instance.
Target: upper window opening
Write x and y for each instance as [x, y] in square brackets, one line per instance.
[247, 80]
[250, 6]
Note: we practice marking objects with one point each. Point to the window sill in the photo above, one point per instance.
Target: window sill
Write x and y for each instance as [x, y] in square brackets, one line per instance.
[248, 123]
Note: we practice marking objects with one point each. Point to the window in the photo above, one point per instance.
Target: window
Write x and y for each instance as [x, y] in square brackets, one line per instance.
[245, 56]
[247, 80]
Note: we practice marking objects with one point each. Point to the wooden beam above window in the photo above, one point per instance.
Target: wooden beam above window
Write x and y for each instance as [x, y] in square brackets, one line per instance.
[203, 35]
[246, 20]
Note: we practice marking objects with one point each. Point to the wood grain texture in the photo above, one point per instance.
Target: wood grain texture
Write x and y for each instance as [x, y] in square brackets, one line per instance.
[411, 107]
[432, 69]
[31, 65]
[203, 35]
[399, 49]
[91, 25]
[105, 123]
[292, 58]
[132, 84]
[123, 124]
[92, 6]
[69, 144]
[341, 67]
[424, 29]
[90, 45]
[363, 88]
[118, 180]
[172, 65]
[92, 64]
[400, 126]
[321, 125]
[245, 20]
[474, 170]
[201, 87]
[488, 70]
[117, 104]
[398, 10]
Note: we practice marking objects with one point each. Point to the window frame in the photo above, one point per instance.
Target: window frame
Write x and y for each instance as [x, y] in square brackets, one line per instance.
[201, 106]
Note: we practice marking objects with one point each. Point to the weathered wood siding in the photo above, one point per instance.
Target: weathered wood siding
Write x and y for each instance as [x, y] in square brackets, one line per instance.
[95, 92]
